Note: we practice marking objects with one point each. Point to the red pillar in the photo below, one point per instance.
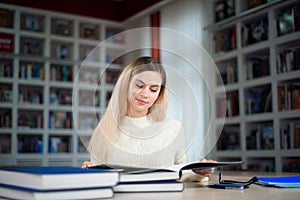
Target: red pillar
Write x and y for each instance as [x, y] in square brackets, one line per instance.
[155, 36]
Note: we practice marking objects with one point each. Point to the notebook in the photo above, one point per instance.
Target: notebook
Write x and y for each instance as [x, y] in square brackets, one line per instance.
[281, 182]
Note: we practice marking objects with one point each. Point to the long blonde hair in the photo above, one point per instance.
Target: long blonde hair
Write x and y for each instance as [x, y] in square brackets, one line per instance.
[108, 128]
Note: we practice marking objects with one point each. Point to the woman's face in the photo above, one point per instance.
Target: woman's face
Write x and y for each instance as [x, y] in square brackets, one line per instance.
[144, 89]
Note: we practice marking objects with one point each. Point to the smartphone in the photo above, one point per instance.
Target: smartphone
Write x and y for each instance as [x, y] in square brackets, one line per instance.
[228, 186]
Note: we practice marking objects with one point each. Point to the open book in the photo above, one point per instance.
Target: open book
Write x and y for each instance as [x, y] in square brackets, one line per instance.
[134, 174]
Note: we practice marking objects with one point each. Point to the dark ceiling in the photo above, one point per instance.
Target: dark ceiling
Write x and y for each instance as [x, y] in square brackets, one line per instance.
[117, 10]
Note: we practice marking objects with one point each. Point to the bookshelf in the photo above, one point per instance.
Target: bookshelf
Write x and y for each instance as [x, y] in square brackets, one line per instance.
[256, 46]
[48, 75]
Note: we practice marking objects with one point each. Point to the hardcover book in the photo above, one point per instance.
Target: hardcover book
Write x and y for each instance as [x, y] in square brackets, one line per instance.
[54, 178]
[13, 192]
[6, 42]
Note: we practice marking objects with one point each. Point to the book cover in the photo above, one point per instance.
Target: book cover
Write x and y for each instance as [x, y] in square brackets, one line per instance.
[89, 31]
[14, 192]
[32, 46]
[32, 23]
[62, 27]
[6, 42]
[268, 137]
[285, 22]
[51, 178]
[253, 32]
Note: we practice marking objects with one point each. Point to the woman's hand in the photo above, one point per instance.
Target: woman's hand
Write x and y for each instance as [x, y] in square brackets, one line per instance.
[87, 164]
[205, 172]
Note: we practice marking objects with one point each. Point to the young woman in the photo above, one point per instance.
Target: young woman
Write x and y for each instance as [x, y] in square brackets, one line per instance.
[134, 130]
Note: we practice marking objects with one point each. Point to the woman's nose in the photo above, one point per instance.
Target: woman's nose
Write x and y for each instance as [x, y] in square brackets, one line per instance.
[145, 92]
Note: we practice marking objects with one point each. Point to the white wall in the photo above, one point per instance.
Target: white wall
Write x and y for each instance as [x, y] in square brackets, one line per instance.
[138, 38]
[189, 17]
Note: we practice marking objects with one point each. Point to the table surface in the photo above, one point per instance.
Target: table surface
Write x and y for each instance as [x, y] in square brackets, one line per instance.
[201, 191]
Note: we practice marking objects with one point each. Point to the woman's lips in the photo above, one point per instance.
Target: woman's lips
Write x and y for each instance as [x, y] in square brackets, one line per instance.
[141, 101]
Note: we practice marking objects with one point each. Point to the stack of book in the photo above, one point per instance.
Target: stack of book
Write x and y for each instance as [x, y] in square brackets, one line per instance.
[57, 183]
[147, 180]
[102, 181]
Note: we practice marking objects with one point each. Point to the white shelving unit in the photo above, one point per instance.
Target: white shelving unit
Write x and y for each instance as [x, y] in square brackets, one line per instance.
[262, 122]
[38, 93]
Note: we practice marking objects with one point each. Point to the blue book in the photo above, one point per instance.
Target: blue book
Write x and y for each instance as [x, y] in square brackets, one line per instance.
[55, 178]
[14, 192]
[282, 182]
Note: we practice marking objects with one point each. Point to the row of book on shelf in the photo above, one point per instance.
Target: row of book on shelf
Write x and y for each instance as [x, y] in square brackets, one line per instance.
[64, 73]
[288, 60]
[287, 21]
[258, 100]
[5, 119]
[61, 51]
[6, 93]
[35, 144]
[288, 96]
[291, 166]
[57, 120]
[228, 73]
[290, 135]
[32, 71]
[60, 120]
[225, 40]
[228, 107]
[257, 67]
[261, 137]
[59, 26]
[5, 143]
[6, 70]
[101, 181]
[268, 165]
[224, 9]
[27, 95]
[30, 96]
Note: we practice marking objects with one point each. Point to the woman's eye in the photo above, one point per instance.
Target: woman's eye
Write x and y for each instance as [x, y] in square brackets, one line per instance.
[139, 86]
[154, 90]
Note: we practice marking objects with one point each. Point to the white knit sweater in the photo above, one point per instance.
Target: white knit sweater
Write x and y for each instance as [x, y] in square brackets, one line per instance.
[143, 142]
